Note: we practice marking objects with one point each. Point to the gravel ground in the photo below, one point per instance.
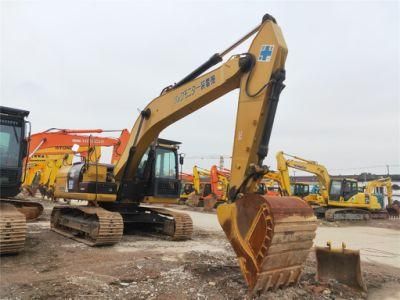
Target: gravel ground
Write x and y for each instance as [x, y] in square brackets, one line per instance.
[153, 267]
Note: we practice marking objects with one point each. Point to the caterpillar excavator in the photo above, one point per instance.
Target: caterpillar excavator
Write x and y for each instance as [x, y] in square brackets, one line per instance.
[271, 236]
[376, 187]
[339, 199]
[13, 212]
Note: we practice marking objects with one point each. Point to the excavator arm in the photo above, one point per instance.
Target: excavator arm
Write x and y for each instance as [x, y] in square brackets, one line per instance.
[259, 74]
[283, 165]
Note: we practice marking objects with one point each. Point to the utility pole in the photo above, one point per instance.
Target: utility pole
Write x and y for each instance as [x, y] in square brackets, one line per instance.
[221, 162]
[387, 168]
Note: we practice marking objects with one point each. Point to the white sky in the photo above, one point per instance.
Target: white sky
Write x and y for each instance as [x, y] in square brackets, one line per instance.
[93, 64]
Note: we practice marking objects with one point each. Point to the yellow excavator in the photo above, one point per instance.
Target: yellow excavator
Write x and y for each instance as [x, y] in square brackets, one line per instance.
[339, 199]
[41, 170]
[201, 187]
[271, 236]
[376, 187]
[42, 167]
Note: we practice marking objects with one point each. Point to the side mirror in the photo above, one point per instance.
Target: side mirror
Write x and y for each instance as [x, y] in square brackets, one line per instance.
[181, 158]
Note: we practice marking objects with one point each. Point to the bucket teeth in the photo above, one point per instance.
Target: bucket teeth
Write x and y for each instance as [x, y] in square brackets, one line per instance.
[272, 237]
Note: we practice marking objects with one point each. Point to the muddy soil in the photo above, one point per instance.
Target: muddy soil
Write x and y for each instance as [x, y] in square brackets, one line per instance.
[152, 267]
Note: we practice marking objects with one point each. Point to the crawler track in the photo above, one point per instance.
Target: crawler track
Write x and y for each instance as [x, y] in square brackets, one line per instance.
[347, 214]
[93, 226]
[181, 226]
[12, 229]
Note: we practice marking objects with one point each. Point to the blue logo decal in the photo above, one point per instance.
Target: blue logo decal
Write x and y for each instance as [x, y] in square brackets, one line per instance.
[266, 52]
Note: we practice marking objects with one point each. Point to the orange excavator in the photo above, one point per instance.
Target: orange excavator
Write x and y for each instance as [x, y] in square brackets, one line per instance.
[69, 137]
[219, 187]
[53, 148]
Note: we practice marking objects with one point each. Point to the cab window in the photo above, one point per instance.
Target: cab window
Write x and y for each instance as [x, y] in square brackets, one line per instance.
[166, 165]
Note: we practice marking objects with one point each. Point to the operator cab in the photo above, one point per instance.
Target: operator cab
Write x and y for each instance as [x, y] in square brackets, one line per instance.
[158, 171]
[13, 148]
[157, 175]
[300, 189]
[187, 188]
[343, 188]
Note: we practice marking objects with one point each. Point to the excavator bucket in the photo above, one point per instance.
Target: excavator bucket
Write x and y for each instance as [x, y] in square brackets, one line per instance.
[271, 236]
[393, 210]
[340, 264]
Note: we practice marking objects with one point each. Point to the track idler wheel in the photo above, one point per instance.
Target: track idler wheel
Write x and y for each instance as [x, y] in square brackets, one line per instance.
[271, 236]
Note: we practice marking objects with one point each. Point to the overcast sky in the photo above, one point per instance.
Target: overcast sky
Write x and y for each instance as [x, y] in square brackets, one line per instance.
[93, 64]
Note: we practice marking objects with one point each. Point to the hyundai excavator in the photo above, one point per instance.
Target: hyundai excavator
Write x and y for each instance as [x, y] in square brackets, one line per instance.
[13, 212]
[339, 199]
[272, 236]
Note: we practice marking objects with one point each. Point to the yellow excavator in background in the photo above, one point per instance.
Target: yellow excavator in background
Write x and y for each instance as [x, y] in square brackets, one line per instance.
[271, 236]
[201, 187]
[41, 171]
[269, 182]
[186, 187]
[42, 167]
[339, 199]
[376, 187]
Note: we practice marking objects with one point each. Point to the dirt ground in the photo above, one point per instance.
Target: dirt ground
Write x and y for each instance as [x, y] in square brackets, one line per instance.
[151, 267]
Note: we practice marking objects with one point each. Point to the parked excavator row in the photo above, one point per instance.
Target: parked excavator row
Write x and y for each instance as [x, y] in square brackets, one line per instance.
[210, 187]
[271, 236]
[339, 199]
[14, 213]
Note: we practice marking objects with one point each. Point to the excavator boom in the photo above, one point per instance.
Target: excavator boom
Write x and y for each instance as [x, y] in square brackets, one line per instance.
[271, 236]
